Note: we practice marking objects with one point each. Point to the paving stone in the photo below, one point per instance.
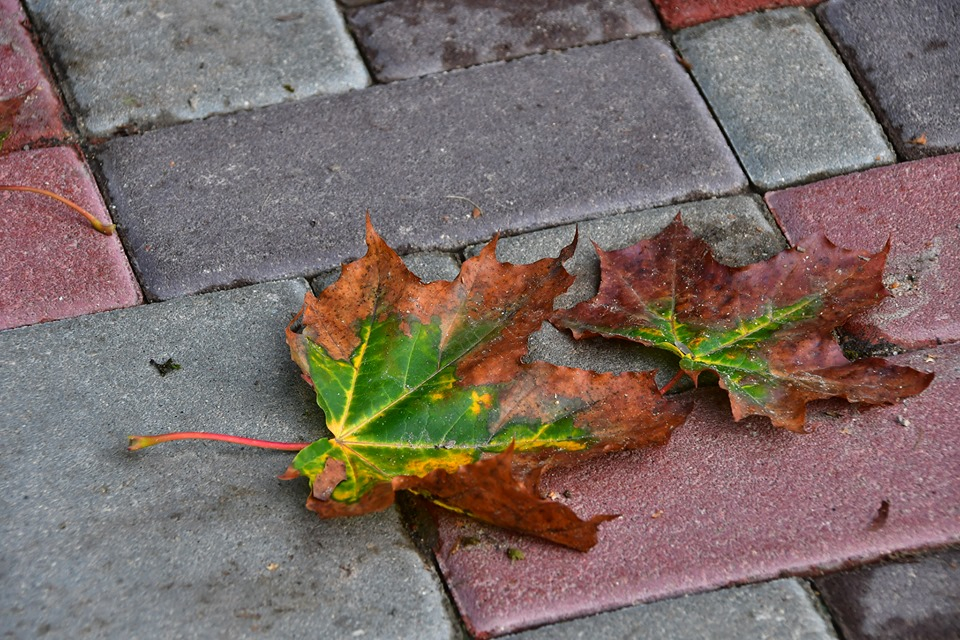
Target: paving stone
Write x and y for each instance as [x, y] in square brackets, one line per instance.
[278, 192]
[914, 205]
[737, 228]
[39, 119]
[916, 599]
[783, 609]
[678, 14]
[787, 103]
[185, 539]
[726, 503]
[906, 56]
[426, 266]
[53, 264]
[216, 57]
[409, 38]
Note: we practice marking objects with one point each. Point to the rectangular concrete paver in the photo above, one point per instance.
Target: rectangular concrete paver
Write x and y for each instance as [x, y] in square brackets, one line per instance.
[29, 103]
[906, 56]
[53, 264]
[216, 57]
[678, 14]
[725, 503]
[915, 206]
[408, 38]
[529, 143]
[187, 539]
[786, 101]
[917, 598]
[779, 610]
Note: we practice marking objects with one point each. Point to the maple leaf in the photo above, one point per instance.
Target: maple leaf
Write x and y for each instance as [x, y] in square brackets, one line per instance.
[422, 385]
[766, 329]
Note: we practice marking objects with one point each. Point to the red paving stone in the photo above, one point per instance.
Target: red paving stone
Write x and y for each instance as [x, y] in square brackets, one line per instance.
[678, 14]
[52, 263]
[726, 503]
[917, 206]
[40, 118]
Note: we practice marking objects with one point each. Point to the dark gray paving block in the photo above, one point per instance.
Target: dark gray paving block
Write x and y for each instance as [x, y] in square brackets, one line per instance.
[530, 143]
[409, 38]
[426, 266]
[914, 600]
[132, 64]
[780, 610]
[186, 539]
[787, 103]
[906, 56]
[738, 228]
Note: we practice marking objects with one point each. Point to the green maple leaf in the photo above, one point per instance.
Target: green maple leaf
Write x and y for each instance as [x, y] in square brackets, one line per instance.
[766, 329]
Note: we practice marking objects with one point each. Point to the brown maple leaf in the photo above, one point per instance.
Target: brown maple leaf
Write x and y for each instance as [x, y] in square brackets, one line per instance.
[766, 329]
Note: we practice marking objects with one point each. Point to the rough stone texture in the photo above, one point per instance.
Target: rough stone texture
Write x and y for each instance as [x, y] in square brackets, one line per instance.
[408, 38]
[915, 206]
[217, 57]
[779, 610]
[738, 229]
[677, 14]
[186, 539]
[906, 57]
[282, 191]
[426, 266]
[916, 599]
[726, 503]
[787, 103]
[53, 264]
[40, 118]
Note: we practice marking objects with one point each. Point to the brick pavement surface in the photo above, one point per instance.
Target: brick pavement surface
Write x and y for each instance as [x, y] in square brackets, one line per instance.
[264, 145]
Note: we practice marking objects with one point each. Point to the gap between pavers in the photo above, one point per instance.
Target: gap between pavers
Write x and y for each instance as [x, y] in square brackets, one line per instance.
[534, 142]
[784, 98]
[53, 264]
[726, 503]
[772, 611]
[185, 539]
[914, 205]
[39, 120]
[409, 38]
[128, 65]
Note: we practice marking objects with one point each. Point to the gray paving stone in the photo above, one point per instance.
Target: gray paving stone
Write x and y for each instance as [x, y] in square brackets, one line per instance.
[409, 38]
[738, 228]
[534, 142]
[914, 600]
[426, 266]
[781, 610]
[784, 98]
[906, 56]
[129, 65]
[184, 540]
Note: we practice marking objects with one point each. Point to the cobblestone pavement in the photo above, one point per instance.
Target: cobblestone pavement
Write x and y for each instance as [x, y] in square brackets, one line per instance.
[237, 145]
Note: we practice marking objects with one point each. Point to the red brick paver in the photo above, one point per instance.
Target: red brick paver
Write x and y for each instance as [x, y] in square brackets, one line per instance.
[678, 14]
[726, 503]
[53, 264]
[39, 119]
[917, 206]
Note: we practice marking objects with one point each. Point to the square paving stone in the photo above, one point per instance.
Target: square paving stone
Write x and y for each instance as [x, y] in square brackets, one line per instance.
[678, 14]
[30, 109]
[779, 609]
[787, 103]
[913, 599]
[915, 206]
[53, 264]
[726, 503]
[186, 539]
[129, 65]
[281, 191]
[906, 56]
[408, 38]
